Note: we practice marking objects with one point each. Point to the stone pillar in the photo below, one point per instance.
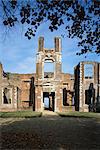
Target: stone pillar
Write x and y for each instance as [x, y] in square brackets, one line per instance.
[58, 75]
[58, 100]
[58, 64]
[39, 74]
[38, 98]
[81, 92]
[15, 97]
[39, 70]
[57, 41]
[41, 44]
[19, 104]
[58, 70]
[96, 73]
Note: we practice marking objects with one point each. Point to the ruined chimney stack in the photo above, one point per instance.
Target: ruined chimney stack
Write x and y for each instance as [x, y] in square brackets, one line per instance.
[57, 41]
[41, 44]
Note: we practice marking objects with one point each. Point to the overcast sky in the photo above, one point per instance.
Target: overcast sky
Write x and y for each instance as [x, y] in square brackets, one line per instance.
[18, 54]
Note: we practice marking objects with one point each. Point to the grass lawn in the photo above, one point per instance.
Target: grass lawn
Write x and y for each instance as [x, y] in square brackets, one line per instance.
[50, 133]
[20, 114]
[80, 114]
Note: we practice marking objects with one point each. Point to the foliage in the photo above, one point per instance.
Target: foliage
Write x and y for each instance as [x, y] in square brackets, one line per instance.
[80, 18]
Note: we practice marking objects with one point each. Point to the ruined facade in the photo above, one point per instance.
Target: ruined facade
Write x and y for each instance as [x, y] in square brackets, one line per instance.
[33, 91]
[87, 86]
[52, 85]
[52, 90]
[15, 91]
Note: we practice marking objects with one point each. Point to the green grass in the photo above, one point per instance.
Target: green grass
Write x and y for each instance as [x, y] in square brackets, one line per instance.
[20, 114]
[80, 114]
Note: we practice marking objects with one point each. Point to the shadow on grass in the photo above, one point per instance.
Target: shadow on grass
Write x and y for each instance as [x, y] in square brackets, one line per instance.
[80, 115]
[46, 133]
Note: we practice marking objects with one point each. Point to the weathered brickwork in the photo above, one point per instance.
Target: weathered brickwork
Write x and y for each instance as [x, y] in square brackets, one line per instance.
[18, 90]
[28, 91]
[52, 85]
[87, 86]
[60, 91]
[45, 83]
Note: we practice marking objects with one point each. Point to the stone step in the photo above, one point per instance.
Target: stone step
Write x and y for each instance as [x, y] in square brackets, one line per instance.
[49, 113]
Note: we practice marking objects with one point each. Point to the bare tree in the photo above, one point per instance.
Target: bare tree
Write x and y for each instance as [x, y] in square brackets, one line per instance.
[79, 17]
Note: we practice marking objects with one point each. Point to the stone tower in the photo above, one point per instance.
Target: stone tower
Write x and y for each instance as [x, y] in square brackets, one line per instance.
[50, 84]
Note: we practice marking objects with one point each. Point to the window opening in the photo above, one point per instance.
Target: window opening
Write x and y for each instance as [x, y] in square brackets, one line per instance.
[7, 96]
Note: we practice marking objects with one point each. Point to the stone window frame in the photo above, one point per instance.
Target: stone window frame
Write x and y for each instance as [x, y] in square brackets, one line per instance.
[88, 77]
[48, 60]
[11, 95]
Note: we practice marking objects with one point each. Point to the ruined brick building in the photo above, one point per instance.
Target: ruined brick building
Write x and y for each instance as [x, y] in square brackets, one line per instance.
[60, 90]
[87, 86]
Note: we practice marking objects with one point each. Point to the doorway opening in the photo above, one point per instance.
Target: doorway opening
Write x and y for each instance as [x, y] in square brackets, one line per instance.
[90, 98]
[48, 100]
